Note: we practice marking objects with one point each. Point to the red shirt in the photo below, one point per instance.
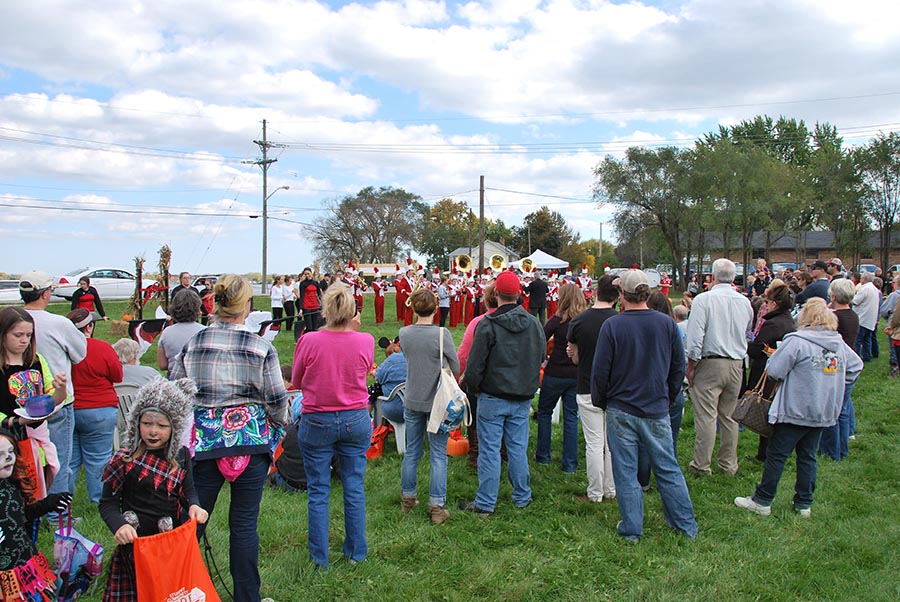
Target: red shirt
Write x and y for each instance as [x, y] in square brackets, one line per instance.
[93, 377]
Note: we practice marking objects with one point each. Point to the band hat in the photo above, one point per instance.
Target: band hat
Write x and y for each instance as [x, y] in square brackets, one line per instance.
[34, 281]
[632, 280]
[507, 283]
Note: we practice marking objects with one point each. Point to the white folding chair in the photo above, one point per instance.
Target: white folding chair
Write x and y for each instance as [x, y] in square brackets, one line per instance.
[399, 427]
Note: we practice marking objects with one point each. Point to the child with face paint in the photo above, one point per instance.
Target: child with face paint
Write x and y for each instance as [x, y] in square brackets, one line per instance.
[147, 485]
[25, 573]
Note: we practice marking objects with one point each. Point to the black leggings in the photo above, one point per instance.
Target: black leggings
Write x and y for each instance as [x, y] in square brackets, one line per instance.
[289, 312]
[445, 311]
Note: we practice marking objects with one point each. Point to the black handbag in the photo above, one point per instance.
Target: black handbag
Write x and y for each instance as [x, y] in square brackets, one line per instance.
[752, 410]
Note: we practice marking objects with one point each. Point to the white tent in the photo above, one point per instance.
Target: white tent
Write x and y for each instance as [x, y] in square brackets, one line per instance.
[542, 261]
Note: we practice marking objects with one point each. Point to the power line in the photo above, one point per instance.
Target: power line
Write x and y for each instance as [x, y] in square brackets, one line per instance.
[125, 211]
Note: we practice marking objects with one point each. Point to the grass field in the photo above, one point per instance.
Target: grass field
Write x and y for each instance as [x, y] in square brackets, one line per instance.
[561, 549]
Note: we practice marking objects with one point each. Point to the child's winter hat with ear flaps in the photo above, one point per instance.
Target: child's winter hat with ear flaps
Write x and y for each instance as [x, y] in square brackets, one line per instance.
[173, 399]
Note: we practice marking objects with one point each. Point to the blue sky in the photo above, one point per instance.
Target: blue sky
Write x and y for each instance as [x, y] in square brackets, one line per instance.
[124, 125]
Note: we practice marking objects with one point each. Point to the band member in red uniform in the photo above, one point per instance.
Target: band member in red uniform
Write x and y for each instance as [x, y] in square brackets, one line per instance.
[411, 283]
[552, 294]
[379, 286]
[527, 277]
[664, 283]
[584, 281]
[455, 299]
[471, 295]
[398, 284]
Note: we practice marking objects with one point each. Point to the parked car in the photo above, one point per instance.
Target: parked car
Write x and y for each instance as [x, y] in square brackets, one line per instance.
[866, 267]
[9, 291]
[111, 283]
[210, 278]
[894, 269]
[783, 265]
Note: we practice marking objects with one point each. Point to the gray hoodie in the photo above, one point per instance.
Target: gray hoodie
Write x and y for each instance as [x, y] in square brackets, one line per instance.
[814, 366]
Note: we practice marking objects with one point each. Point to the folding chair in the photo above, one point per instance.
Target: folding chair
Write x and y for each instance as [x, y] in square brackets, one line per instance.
[399, 392]
[127, 396]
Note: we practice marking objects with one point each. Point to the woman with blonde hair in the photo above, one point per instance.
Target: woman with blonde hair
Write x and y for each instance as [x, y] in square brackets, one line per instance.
[330, 366]
[240, 408]
[560, 382]
[421, 344]
[814, 365]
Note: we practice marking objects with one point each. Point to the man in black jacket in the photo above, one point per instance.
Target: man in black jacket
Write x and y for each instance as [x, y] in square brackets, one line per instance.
[503, 370]
[537, 297]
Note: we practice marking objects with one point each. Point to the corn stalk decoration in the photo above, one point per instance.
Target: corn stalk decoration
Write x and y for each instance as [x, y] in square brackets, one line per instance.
[135, 307]
[162, 293]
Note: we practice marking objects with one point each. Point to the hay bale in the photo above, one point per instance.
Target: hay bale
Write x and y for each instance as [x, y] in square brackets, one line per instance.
[118, 328]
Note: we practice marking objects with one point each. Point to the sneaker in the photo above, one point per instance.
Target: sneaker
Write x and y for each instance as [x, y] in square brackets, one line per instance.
[804, 512]
[471, 507]
[747, 503]
[526, 504]
[439, 514]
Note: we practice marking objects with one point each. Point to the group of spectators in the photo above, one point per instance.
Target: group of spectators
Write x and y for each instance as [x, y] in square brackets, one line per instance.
[622, 366]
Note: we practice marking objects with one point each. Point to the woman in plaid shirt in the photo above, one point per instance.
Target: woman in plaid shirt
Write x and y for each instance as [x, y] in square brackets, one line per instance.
[240, 410]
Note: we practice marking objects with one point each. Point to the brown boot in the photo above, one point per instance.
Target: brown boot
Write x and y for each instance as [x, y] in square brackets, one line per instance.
[408, 503]
[438, 514]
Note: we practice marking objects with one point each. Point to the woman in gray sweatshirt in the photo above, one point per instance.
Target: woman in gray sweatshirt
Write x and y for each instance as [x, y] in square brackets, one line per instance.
[421, 344]
[814, 365]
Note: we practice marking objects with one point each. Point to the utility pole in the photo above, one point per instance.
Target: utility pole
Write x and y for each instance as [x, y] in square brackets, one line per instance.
[481, 227]
[264, 164]
[597, 270]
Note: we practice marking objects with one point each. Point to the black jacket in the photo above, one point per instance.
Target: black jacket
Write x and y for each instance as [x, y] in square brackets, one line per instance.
[777, 324]
[537, 291]
[507, 351]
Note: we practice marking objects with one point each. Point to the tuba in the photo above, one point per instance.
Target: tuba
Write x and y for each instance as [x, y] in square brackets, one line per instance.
[498, 262]
[463, 263]
[528, 264]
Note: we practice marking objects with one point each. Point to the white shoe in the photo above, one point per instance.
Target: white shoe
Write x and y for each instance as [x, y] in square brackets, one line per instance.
[804, 512]
[747, 503]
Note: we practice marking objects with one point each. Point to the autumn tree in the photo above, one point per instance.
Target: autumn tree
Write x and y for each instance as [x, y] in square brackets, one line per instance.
[447, 226]
[879, 166]
[375, 225]
[545, 230]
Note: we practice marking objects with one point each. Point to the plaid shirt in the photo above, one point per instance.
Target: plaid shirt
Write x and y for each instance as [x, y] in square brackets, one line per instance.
[232, 366]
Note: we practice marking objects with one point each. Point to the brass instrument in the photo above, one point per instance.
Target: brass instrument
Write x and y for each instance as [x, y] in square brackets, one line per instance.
[463, 263]
[528, 264]
[409, 296]
[498, 262]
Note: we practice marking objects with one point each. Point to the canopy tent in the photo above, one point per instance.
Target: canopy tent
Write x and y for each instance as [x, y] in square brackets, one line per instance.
[542, 261]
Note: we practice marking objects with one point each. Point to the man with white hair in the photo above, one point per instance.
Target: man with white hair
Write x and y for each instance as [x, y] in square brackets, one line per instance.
[716, 348]
[866, 304]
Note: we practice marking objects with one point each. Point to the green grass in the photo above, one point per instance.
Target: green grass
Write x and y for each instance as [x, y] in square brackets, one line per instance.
[560, 549]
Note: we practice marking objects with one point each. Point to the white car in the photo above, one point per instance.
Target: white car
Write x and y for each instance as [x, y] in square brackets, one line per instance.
[9, 291]
[111, 283]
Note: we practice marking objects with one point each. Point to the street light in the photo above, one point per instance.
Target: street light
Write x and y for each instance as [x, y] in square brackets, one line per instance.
[265, 242]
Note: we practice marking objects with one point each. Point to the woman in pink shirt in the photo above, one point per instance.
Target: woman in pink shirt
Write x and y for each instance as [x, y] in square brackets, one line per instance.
[330, 366]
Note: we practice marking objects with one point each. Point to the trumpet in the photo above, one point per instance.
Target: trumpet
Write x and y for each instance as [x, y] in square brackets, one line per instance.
[463, 263]
[528, 264]
[498, 262]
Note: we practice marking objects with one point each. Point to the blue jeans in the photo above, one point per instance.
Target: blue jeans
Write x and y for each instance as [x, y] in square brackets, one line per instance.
[627, 434]
[416, 429]
[92, 443]
[786, 439]
[864, 344]
[62, 429]
[243, 515]
[393, 410]
[502, 420]
[835, 438]
[676, 414]
[347, 434]
[552, 388]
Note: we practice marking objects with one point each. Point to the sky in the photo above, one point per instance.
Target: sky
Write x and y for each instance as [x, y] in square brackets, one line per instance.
[125, 126]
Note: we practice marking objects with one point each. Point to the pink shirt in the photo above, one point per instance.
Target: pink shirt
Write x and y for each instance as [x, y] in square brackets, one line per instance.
[466, 345]
[331, 367]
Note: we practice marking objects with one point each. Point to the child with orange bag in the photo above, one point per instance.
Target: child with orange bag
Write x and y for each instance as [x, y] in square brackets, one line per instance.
[147, 485]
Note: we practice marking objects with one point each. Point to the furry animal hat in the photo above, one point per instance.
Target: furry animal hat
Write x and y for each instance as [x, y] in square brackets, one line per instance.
[173, 399]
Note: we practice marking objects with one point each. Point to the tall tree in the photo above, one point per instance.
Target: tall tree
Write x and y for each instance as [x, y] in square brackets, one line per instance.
[448, 225]
[543, 229]
[375, 225]
[879, 165]
[651, 185]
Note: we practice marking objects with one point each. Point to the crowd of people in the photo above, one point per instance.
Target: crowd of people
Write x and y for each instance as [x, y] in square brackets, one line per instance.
[614, 353]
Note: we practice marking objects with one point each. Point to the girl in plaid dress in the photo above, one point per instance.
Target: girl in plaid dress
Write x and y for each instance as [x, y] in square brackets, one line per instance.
[147, 485]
